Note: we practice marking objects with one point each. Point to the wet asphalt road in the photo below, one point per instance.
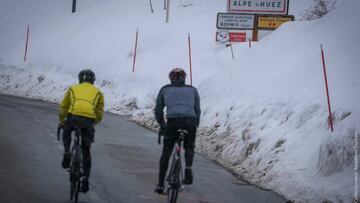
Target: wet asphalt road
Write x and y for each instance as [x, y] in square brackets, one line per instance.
[125, 163]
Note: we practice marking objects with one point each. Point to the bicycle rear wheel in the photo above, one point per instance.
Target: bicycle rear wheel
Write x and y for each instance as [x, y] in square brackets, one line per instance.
[77, 190]
[72, 189]
[72, 178]
[172, 195]
[75, 176]
[174, 183]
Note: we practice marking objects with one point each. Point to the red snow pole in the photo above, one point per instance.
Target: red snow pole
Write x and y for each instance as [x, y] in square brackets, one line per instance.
[136, 40]
[327, 89]
[27, 41]
[189, 41]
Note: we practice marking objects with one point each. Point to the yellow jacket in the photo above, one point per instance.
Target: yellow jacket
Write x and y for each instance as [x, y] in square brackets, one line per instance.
[83, 99]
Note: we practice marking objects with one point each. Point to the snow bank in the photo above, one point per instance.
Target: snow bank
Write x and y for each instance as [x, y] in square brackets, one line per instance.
[264, 113]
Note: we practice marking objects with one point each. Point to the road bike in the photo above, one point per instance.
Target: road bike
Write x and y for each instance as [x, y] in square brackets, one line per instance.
[175, 175]
[75, 168]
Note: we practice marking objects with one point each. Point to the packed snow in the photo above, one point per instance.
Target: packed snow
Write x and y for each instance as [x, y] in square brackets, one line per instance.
[264, 113]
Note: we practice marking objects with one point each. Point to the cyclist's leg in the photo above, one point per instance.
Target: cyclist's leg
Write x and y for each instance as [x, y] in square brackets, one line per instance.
[86, 160]
[87, 139]
[189, 145]
[189, 141]
[169, 142]
[66, 137]
[87, 135]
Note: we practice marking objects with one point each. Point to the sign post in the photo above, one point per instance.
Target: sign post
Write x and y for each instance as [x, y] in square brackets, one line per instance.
[189, 41]
[152, 10]
[136, 40]
[73, 6]
[232, 50]
[27, 41]
[167, 11]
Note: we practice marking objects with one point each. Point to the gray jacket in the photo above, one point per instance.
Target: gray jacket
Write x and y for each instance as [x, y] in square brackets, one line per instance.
[180, 101]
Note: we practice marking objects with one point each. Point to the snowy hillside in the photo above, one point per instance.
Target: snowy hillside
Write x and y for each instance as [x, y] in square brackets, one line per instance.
[264, 113]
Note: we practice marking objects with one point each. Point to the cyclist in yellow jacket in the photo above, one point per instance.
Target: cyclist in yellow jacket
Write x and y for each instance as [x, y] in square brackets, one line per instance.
[83, 105]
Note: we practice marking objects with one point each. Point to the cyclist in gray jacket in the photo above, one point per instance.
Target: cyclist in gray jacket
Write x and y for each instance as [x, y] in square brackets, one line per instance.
[182, 104]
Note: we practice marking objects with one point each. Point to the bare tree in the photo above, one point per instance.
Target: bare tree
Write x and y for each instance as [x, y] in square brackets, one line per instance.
[320, 9]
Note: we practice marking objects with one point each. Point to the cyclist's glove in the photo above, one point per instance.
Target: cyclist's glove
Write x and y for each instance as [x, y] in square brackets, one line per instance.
[161, 133]
[60, 126]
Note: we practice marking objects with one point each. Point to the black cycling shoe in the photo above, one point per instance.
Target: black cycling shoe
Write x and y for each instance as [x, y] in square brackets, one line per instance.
[159, 189]
[85, 185]
[66, 160]
[188, 176]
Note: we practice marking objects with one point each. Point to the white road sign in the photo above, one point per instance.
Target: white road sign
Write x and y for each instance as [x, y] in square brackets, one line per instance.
[235, 21]
[258, 6]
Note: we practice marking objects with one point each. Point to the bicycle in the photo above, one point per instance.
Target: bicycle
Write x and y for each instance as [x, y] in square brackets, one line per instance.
[75, 168]
[175, 175]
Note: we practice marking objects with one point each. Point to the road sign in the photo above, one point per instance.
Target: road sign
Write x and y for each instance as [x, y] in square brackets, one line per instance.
[222, 36]
[235, 21]
[226, 36]
[279, 7]
[237, 36]
[272, 22]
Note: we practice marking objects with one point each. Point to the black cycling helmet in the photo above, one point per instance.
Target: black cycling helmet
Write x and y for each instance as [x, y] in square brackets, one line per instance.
[177, 76]
[87, 76]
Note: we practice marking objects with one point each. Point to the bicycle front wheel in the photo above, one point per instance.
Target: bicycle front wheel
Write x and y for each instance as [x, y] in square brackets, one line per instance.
[172, 195]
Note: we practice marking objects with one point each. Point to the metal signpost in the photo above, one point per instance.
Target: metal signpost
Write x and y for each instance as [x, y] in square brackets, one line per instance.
[167, 11]
[73, 6]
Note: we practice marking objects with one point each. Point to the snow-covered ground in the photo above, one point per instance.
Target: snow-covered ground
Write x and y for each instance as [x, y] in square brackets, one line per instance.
[264, 113]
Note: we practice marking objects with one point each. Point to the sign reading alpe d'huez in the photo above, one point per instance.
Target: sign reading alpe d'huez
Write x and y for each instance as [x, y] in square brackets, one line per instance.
[278, 7]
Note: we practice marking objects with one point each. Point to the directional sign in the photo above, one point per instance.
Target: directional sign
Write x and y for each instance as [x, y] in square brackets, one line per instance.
[272, 22]
[279, 7]
[235, 21]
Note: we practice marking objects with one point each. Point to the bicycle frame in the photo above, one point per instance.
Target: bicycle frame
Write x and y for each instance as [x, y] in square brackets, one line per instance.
[75, 168]
[175, 175]
[76, 151]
